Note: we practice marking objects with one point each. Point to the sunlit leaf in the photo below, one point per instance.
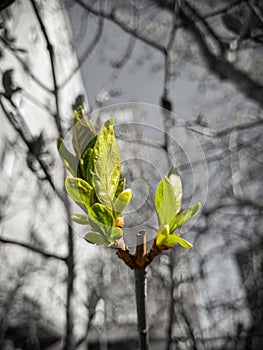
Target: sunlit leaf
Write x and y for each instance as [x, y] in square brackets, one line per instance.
[122, 201]
[80, 219]
[176, 182]
[101, 220]
[120, 187]
[185, 216]
[164, 238]
[116, 233]
[68, 159]
[181, 241]
[104, 165]
[79, 190]
[165, 202]
[83, 139]
[162, 235]
[95, 238]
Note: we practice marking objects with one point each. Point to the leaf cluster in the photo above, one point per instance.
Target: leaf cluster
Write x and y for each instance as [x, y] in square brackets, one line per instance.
[96, 185]
[168, 204]
[99, 190]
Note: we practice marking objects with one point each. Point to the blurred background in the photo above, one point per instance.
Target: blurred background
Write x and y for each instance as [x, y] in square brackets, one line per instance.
[193, 72]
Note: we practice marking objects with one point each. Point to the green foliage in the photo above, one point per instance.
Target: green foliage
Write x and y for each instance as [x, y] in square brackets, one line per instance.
[80, 219]
[168, 204]
[68, 159]
[105, 164]
[96, 185]
[122, 201]
[164, 238]
[97, 188]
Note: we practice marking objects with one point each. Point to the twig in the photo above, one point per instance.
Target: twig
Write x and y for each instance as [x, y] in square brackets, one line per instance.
[25, 66]
[222, 68]
[112, 17]
[86, 54]
[52, 63]
[32, 248]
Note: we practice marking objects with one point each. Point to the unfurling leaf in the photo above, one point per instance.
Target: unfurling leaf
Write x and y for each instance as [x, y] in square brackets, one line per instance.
[122, 201]
[120, 187]
[116, 233]
[165, 202]
[104, 165]
[162, 235]
[82, 132]
[80, 219]
[176, 182]
[79, 190]
[68, 159]
[164, 238]
[101, 220]
[184, 216]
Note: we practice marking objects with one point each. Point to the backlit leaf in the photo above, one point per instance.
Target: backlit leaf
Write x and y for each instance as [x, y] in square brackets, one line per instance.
[104, 165]
[80, 219]
[101, 220]
[122, 201]
[79, 190]
[82, 131]
[185, 216]
[116, 233]
[68, 159]
[176, 182]
[162, 235]
[120, 187]
[165, 202]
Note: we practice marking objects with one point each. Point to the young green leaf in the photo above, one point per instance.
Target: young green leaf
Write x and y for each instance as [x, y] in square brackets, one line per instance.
[101, 220]
[68, 159]
[176, 182]
[162, 235]
[79, 190]
[80, 219]
[165, 202]
[116, 233]
[120, 187]
[104, 165]
[181, 241]
[185, 216]
[122, 201]
[172, 239]
[95, 238]
[84, 161]
[164, 238]
[82, 134]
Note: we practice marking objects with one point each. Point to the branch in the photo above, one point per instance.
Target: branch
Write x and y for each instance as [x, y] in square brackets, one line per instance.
[224, 9]
[256, 10]
[26, 140]
[32, 248]
[87, 52]
[24, 65]
[52, 63]
[112, 17]
[217, 64]
[222, 68]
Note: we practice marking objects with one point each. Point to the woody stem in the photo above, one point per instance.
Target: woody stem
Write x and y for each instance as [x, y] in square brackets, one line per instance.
[141, 290]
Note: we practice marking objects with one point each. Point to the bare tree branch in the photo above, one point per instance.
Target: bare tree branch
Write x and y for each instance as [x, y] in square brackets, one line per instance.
[112, 17]
[52, 63]
[24, 65]
[222, 68]
[32, 248]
